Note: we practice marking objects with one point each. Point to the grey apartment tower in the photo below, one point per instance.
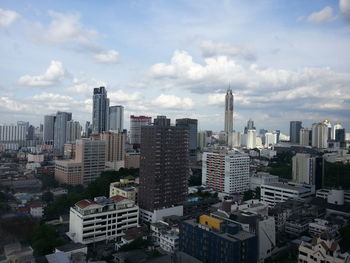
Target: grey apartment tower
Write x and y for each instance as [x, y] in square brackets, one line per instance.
[164, 165]
[192, 126]
[228, 112]
[100, 110]
[294, 131]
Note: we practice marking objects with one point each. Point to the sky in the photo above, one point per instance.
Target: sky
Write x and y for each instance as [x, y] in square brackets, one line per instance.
[284, 60]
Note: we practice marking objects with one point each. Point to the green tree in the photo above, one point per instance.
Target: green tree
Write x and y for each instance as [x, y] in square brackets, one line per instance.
[44, 239]
[47, 197]
[257, 193]
[247, 195]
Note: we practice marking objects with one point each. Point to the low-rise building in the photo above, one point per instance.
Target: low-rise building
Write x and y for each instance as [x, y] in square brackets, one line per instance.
[297, 225]
[333, 194]
[16, 253]
[127, 188]
[165, 236]
[279, 192]
[320, 226]
[256, 180]
[101, 219]
[132, 160]
[322, 249]
[36, 210]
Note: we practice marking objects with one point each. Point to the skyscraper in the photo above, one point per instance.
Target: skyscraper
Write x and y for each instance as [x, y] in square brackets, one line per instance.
[250, 126]
[49, 126]
[228, 112]
[305, 135]
[60, 130]
[116, 118]
[335, 128]
[115, 148]
[294, 131]
[100, 110]
[73, 131]
[319, 135]
[136, 122]
[164, 165]
[192, 126]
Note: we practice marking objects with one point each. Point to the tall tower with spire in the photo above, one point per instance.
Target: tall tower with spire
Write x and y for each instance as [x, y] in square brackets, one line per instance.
[229, 111]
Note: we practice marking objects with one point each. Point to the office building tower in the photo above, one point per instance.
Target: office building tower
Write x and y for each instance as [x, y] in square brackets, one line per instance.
[136, 122]
[234, 139]
[73, 131]
[88, 129]
[92, 155]
[228, 112]
[226, 172]
[115, 148]
[294, 131]
[329, 128]
[202, 139]
[164, 165]
[305, 137]
[340, 135]
[335, 128]
[116, 118]
[250, 126]
[270, 139]
[30, 133]
[192, 126]
[49, 126]
[102, 219]
[60, 130]
[319, 135]
[251, 139]
[213, 240]
[100, 110]
[307, 169]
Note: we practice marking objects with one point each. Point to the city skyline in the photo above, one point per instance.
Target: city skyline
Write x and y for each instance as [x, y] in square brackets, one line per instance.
[165, 69]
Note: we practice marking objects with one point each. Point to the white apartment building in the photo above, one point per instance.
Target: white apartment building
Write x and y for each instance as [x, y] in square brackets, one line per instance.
[226, 172]
[336, 196]
[321, 250]
[165, 236]
[251, 139]
[270, 139]
[102, 219]
[320, 226]
[279, 192]
[256, 180]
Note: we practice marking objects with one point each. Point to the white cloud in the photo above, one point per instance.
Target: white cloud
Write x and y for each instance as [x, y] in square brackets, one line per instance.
[173, 102]
[216, 99]
[344, 6]
[212, 49]
[8, 104]
[120, 96]
[323, 16]
[67, 28]
[108, 57]
[7, 17]
[52, 76]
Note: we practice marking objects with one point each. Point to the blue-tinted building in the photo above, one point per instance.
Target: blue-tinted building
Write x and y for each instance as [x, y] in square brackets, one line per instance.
[220, 242]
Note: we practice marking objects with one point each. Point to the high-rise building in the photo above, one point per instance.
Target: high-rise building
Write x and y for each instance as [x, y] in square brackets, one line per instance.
[88, 129]
[115, 148]
[294, 131]
[234, 139]
[136, 122]
[213, 240]
[100, 110]
[226, 172]
[92, 155]
[12, 136]
[164, 165]
[202, 139]
[270, 139]
[73, 131]
[329, 127]
[335, 128]
[319, 135]
[340, 135]
[116, 118]
[305, 137]
[251, 139]
[192, 126]
[60, 130]
[228, 112]
[307, 169]
[250, 126]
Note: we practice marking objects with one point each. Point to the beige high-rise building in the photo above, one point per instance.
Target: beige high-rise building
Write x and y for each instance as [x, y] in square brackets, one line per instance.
[92, 155]
[319, 135]
[73, 131]
[115, 148]
[304, 137]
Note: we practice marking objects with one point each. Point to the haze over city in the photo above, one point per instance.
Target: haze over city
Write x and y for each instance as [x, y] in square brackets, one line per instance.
[284, 60]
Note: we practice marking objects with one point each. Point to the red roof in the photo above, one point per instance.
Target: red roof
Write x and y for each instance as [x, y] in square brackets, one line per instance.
[36, 205]
[85, 203]
[117, 198]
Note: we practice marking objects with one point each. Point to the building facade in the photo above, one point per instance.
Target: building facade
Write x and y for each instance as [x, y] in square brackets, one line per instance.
[228, 112]
[294, 131]
[101, 219]
[73, 131]
[192, 126]
[226, 172]
[164, 165]
[100, 110]
[60, 131]
[319, 135]
[49, 126]
[136, 122]
[116, 118]
[115, 148]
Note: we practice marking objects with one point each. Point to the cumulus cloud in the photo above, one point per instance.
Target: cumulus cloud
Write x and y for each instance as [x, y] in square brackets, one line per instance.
[344, 6]
[51, 77]
[323, 16]
[120, 96]
[7, 17]
[216, 99]
[67, 28]
[84, 86]
[173, 102]
[107, 57]
[212, 49]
